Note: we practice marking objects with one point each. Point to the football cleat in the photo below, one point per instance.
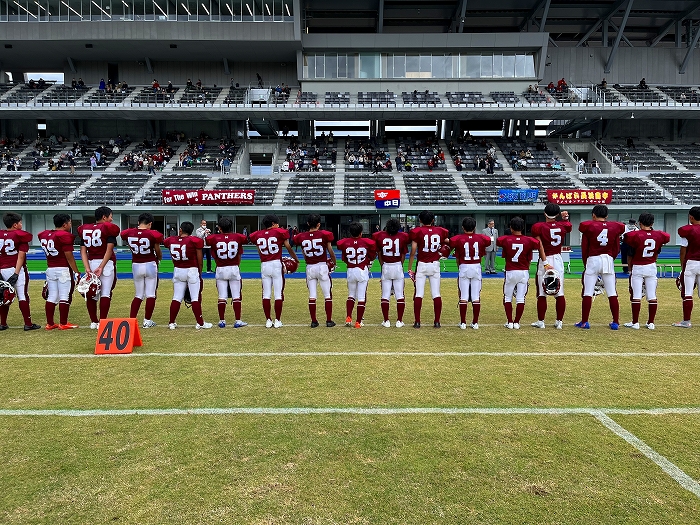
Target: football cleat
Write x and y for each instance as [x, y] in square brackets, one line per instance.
[509, 326]
[348, 321]
[3, 327]
[172, 326]
[633, 326]
[204, 326]
[463, 326]
[516, 326]
[651, 326]
[585, 326]
[475, 326]
[222, 324]
[240, 324]
[330, 324]
[682, 324]
[51, 327]
[89, 286]
[436, 324]
[416, 325]
[147, 323]
[358, 325]
[277, 324]
[399, 324]
[29, 327]
[551, 282]
[94, 326]
[67, 326]
[314, 324]
[614, 326]
[558, 324]
[7, 293]
[290, 265]
[538, 324]
[268, 323]
[386, 324]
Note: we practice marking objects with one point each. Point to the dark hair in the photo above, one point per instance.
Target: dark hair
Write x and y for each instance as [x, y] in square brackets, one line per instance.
[269, 220]
[187, 227]
[393, 226]
[552, 210]
[600, 211]
[225, 225]
[355, 229]
[426, 217]
[145, 218]
[469, 224]
[60, 219]
[313, 220]
[646, 219]
[102, 213]
[11, 218]
[517, 224]
[695, 212]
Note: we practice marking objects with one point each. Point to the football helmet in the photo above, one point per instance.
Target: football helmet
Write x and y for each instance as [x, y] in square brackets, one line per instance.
[290, 265]
[599, 287]
[331, 266]
[644, 288]
[89, 286]
[444, 251]
[551, 282]
[679, 282]
[45, 291]
[188, 298]
[7, 293]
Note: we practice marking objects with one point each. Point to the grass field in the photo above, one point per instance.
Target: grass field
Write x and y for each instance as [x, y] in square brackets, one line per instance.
[376, 425]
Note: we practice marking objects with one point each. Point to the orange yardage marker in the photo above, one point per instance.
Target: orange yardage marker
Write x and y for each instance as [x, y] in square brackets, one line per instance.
[117, 336]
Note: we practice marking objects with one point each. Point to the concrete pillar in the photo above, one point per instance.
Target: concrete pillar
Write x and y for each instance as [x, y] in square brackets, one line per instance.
[531, 129]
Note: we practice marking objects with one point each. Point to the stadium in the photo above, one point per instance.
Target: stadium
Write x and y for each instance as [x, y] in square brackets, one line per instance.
[359, 112]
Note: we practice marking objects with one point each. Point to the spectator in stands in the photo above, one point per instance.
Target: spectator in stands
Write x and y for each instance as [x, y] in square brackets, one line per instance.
[102, 85]
[84, 139]
[580, 165]
[616, 158]
[37, 163]
[93, 162]
[604, 83]
[41, 84]
[314, 164]
[260, 80]
[551, 88]
[458, 163]
[199, 83]
[490, 163]
[170, 89]
[595, 167]
[189, 85]
[71, 163]
[556, 164]
[643, 83]
[31, 84]
[630, 143]
[81, 84]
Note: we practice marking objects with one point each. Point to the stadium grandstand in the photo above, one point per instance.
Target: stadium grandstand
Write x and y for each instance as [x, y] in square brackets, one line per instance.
[315, 104]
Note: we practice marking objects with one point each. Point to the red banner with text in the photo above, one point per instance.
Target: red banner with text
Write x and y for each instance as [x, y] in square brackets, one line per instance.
[208, 197]
[570, 196]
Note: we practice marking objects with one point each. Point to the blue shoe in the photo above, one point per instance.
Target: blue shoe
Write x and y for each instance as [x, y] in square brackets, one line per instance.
[222, 324]
[240, 324]
[585, 326]
[614, 326]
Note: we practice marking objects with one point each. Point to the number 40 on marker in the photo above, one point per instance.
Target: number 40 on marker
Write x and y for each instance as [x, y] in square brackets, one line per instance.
[117, 336]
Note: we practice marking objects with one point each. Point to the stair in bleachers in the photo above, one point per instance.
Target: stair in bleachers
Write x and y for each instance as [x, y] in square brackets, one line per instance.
[89, 182]
[144, 189]
[684, 187]
[7, 183]
[463, 189]
[668, 157]
[400, 185]
[115, 164]
[4, 93]
[339, 189]
[340, 157]
[282, 187]
[358, 188]
[449, 161]
[172, 163]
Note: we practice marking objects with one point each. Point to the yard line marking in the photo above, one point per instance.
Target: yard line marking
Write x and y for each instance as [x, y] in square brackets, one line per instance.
[347, 410]
[353, 354]
[667, 466]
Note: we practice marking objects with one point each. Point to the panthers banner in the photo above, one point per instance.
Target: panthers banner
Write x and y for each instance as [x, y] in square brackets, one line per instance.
[208, 197]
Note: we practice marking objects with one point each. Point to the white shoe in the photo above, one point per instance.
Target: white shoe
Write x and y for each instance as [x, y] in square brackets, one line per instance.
[278, 323]
[204, 326]
[386, 324]
[558, 325]
[172, 326]
[147, 323]
[633, 326]
[516, 326]
[268, 323]
[463, 326]
[509, 326]
[94, 326]
[651, 326]
[240, 324]
[682, 324]
[399, 324]
[538, 324]
[475, 326]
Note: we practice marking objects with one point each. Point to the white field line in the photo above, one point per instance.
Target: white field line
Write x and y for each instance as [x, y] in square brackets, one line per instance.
[667, 466]
[354, 354]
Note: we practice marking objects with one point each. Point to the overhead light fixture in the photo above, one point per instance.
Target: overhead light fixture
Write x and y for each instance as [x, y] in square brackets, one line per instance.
[632, 115]
[248, 6]
[103, 11]
[268, 10]
[287, 7]
[185, 8]
[125, 4]
[205, 8]
[229, 9]
[159, 8]
[25, 9]
[70, 9]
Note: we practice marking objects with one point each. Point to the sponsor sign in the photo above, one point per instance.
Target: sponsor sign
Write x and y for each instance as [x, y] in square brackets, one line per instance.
[570, 196]
[517, 196]
[208, 197]
[387, 198]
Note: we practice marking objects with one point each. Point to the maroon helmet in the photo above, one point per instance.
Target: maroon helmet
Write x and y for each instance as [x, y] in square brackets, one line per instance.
[290, 265]
[7, 293]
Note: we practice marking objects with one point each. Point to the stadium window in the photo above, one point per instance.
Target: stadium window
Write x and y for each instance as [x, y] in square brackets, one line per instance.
[399, 66]
[352, 65]
[473, 66]
[487, 66]
[331, 66]
[342, 66]
[497, 66]
[320, 66]
[508, 66]
[520, 65]
[369, 65]
[426, 66]
[529, 66]
[412, 66]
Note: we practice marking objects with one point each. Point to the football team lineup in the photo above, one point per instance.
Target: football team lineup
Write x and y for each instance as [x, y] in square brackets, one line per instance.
[425, 246]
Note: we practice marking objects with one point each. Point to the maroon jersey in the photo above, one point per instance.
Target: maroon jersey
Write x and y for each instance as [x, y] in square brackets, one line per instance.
[357, 253]
[646, 245]
[142, 243]
[270, 243]
[11, 243]
[429, 240]
[691, 233]
[95, 237]
[393, 248]
[517, 250]
[55, 243]
[227, 247]
[600, 238]
[313, 245]
[183, 250]
[551, 234]
[470, 247]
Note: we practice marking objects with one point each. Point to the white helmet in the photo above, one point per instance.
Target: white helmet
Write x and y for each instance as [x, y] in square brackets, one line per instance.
[551, 282]
[89, 286]
[599, 287]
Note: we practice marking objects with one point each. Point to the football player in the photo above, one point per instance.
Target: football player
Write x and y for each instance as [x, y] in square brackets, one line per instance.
[392, 247]
[517, 252]
[469, 248]
[358, 253]
[227, 248]
[97, 241]
[551, 234]
[426, 241]
[270, 241]
[600, 244]
[186, 253]
[144, 243]
[14, 245]
[62, 272]
[690, 263]
[646, 244]
[315, 244]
